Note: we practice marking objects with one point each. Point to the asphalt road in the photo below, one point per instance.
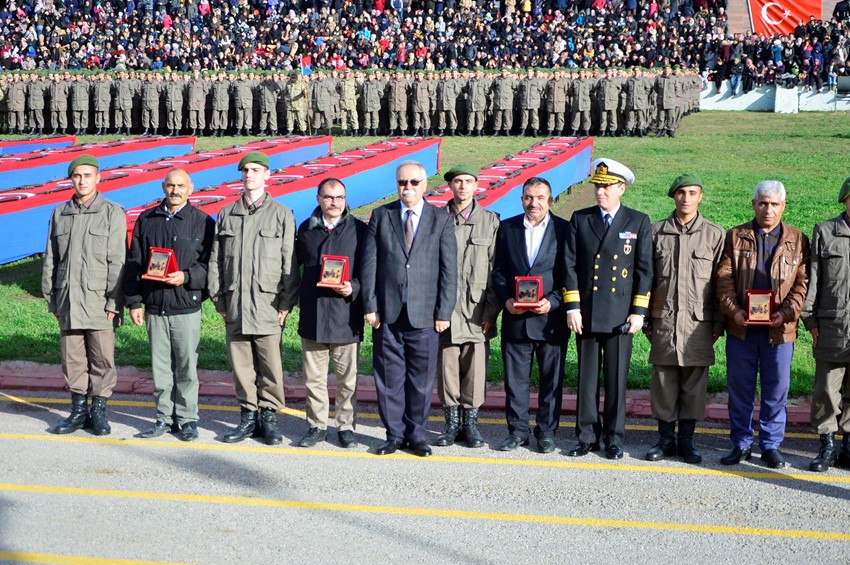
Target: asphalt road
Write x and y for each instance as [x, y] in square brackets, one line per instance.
[83, 499]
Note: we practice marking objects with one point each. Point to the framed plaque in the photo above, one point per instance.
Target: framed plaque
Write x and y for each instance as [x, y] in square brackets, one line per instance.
[529, 292]
[161, 264]
[334, 273]
[760, 306]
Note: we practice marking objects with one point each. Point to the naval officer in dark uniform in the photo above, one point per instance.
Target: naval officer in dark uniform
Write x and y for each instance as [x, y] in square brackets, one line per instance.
[608, 276]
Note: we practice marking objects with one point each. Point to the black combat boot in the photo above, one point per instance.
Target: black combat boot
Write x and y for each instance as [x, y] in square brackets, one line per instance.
[844, 455]
[77, 419]
[666, 446]
[99, 421]
[452, 427]
[687, 450]
[827, 456]
[470, 428]
[268, 423]
[247, 427]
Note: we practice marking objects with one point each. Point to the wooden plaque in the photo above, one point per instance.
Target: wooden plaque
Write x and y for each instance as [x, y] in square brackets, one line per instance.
[760, 307]
[161, 264]
[334, 272]
[529, 292]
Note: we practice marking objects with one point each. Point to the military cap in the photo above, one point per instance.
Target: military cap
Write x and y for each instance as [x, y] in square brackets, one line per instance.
[82, 160]
[687, 179]
[462, 169]
[608, 171]
[845, 190]
[257, 157]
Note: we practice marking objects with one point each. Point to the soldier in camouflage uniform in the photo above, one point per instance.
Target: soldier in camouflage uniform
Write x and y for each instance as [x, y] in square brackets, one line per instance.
[608, 98]
[220, 99]
[530, 91]
[243, 103]
[448, 90]
[476, 90]
[196, 99]
[58, 103]
[347, 89]
[269, 93]
[372, 93]
[638, 89]
[296, 104]
[502, 91]
[322, 94]
[17, 100]
[80, 100]
[102, 93]
[421, 105]
[556, 103]
[123, 91]
[580, 95]
[151, 93]
[36, 91]
[174, 96]
[398, 92]
[666, 90]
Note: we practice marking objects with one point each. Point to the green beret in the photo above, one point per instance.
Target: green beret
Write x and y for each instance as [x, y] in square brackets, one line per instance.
[687, 179]
[82, 160]
[257, 157]
[462, 169]
[845, 190]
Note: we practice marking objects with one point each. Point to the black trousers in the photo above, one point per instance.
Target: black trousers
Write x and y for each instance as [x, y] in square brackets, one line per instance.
[613, 352]
[405, 361]
[517, 357]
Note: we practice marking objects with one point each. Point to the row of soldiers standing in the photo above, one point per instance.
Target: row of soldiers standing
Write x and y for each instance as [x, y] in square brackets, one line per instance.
[563, 102]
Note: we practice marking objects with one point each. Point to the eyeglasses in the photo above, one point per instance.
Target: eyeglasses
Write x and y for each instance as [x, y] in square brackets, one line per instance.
[329, 198]
[412, 182]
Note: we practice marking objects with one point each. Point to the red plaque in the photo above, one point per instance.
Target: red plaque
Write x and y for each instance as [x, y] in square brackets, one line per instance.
[334, 271]
[529, 292]
[760, 307]
[161, 264]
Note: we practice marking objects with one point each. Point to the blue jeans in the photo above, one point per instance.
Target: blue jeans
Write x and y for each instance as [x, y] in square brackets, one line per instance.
[747, 360]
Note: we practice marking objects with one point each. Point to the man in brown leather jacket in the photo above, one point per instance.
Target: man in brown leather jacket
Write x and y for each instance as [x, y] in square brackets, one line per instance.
[765, 254]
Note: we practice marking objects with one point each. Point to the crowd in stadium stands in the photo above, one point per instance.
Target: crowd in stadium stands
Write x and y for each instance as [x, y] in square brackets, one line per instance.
[184, 35]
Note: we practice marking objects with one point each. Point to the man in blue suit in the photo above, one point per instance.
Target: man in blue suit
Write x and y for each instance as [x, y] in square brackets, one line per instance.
[409, 286]
[532, 244]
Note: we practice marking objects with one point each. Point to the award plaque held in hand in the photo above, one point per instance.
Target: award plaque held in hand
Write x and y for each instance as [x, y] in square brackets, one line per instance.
[529, 292]
[334, 272]
[760, 307]
[161, 264]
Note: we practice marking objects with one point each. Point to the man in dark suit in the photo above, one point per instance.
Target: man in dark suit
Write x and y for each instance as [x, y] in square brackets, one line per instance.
[609, 276]
[532, 244]
[409, 287]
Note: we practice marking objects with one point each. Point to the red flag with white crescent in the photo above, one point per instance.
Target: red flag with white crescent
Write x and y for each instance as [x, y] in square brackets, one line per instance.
[781, 16]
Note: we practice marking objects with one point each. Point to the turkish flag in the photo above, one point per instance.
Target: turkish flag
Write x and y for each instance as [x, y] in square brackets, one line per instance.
[781, 16]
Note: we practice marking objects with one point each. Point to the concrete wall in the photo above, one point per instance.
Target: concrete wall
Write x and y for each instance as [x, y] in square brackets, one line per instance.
[765, 99]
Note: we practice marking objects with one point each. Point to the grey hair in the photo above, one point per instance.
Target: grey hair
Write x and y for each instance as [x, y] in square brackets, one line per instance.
[769, 188]
[416, 164]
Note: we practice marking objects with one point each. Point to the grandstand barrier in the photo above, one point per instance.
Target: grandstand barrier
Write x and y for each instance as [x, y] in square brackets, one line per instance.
[774, 99]
[50, 164]
[17, 146]
[25, 211]
[367, 172]
[563, 161]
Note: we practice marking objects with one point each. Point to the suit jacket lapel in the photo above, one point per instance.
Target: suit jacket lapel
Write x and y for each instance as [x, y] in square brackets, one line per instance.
[395, 222]
[519, 241]
[597, 224]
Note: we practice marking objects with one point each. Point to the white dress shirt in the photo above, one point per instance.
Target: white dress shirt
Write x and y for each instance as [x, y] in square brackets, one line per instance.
[534, 237]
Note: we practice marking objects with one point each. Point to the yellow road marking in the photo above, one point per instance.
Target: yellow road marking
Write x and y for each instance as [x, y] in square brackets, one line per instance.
[429, 512]
[25, 557]
[35, 401]
[346, 454]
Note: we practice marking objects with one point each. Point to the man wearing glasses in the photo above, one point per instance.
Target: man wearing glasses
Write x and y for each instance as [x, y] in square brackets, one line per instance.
[331, 321]
[409, 285]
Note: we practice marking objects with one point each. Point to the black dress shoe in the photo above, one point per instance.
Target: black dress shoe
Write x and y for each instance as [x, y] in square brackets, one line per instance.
[614, 452]
[156, 431]
[314, 436]
[189, 432]
[736, 455]
[421, 449]
[388, 448]
[512, 442]
[546, 445]
[583, 449]
[773, 458]
[346, 438]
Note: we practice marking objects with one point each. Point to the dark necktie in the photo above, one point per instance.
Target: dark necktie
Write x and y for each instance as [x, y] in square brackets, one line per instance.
[607, 219]
[408, 229]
